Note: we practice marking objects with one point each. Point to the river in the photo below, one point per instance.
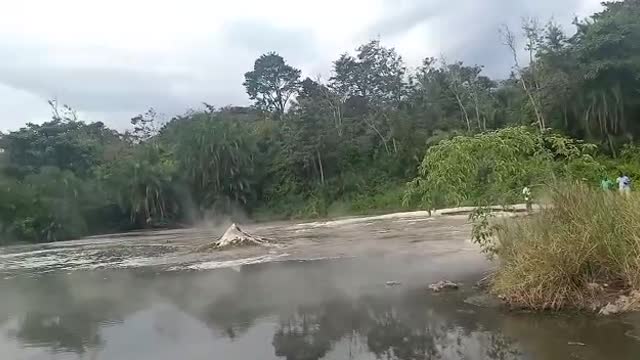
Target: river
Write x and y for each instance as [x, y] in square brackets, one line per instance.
[347, 289]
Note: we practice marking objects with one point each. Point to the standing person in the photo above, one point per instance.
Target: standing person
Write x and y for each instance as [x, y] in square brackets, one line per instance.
[526, 194]
[624, 184]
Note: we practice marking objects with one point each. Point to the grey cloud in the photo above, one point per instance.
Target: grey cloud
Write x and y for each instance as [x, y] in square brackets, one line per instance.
[211, 75]
[99, 89]
[471, 25]
[248, 39]
[112, 91]
[402, 16]
[466, 29]
[90, 87]
[259, 37]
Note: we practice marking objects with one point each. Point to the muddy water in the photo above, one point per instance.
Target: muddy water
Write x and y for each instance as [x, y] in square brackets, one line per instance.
[321, 294]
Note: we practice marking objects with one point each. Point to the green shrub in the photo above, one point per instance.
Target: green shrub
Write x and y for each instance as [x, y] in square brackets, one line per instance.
[49, 205]
[493, 167]
[585, 236]
[387, 199]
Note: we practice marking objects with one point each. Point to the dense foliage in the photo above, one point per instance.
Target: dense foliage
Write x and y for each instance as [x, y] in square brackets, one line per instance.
[348, 144]
[493, 167]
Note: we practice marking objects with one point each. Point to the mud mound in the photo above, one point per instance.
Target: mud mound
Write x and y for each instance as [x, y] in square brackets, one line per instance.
[235, 237]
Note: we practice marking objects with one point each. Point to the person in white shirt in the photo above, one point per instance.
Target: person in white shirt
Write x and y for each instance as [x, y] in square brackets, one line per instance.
[624, 184]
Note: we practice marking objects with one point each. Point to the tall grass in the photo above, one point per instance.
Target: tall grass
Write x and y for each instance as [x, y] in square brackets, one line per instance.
[585, 236]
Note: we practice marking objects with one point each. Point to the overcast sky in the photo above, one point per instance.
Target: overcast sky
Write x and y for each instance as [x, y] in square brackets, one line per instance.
[113, 59]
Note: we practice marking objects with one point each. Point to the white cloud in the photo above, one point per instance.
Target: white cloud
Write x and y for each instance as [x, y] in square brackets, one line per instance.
[111, 60]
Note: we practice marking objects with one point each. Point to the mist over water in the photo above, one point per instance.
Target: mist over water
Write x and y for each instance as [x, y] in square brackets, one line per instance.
[322, 293]
[298, 310]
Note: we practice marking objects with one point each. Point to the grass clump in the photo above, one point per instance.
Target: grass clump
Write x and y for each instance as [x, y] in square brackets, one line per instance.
[571, 254]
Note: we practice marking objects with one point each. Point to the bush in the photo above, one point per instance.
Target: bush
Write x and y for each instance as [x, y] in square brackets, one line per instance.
[49, 205]
[382, 200]
[586, 236]
[492, 168]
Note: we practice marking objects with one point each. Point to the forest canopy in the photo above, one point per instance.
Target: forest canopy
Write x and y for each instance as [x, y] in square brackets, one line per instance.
[350, 144]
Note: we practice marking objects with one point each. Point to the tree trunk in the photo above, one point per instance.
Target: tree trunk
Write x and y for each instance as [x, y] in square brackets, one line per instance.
[477, 112]
[337, 114]
[587, 121]
[464, 111]
[384, 141]
[611, 146]
[320, 167]
[510, 42]
[532, 99]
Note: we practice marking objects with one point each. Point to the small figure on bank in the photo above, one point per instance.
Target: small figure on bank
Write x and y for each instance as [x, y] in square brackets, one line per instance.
[526, 194]
[624, 184]
[606, 184]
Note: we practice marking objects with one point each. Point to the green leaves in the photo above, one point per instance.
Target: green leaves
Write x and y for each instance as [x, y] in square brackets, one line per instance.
[216, 158]
[49, 205]
[375, 74]
[143, 183]
[272, 83]
[483, 232]
[305, 146]
[492, 168]
[70, 145]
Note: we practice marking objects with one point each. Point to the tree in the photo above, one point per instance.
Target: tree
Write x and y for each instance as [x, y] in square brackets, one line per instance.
[272, 83]
[607, 51]
[372, 84]
[351, 141]
[144, 185]
[467, 86]
[375, 74]
[310, 133]
[430, 97]
[491, 168]
[527, 82]
[216, 157]
[65, 144]
[146, 125]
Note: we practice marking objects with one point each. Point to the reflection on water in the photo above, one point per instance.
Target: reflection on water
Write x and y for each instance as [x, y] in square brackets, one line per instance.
[294, 311]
